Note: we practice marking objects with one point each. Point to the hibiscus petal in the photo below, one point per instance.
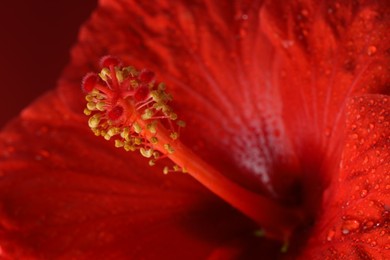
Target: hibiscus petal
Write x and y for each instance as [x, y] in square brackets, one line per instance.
[197, 48]
[242, 72]
[65, 193]
[328, 52]
[355, 219]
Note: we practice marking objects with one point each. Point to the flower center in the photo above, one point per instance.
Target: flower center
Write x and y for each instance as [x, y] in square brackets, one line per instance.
[128, 106]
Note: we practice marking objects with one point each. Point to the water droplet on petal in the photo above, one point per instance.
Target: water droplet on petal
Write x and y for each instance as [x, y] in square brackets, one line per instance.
[371, 50]
[349, 226]
[330, 235]
[363, 193]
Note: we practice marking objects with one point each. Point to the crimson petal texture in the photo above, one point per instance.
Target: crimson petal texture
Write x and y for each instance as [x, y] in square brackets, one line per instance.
[328, 51]
[194, 46]
[261, 84]
[67, 194]
[355, 223]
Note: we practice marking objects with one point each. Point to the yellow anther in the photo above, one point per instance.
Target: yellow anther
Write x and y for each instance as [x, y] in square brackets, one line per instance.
[89, 97]
[174, 135]
[96, 131]
[119, 75]
[156, 96]
[87, 112]
[102, 132]
[101, 106]
[129, 71]
[128, 147]
[152, 162]
[113, 131]
[125, 133]
[119, 143]
[152, 127]
[173, 116]
[147, 114]
[154, 140]
[91, 105]
[105, 74]
[94, 121]
[137, 128]
[137, 141]
[169, 148]
[166, 170]
[146, 152]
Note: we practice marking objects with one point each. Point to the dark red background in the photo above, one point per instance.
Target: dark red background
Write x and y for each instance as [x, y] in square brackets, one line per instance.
[36, 37]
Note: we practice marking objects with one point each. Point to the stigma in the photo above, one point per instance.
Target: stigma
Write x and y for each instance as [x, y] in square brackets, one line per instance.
[130, 108]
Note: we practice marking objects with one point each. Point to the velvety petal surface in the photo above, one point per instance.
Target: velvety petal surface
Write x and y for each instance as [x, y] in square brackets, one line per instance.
[242, 72]
[355, 222]
[328, 52]
[195, 47]
[263, 87]
[66, 194]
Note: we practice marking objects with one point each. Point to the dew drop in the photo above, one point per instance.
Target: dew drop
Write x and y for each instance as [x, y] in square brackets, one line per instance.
[368, 225]
[363, 193]
[349, 226]
[371, 50]
[330, 235]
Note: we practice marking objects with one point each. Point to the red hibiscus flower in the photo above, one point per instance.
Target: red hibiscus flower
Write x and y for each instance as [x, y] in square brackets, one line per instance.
[287, 136]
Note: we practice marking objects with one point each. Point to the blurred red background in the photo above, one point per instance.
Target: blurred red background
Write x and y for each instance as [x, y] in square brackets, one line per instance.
[36, 37]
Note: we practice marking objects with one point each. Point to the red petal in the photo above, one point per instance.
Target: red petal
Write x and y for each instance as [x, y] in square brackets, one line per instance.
[242, 74]
[327, 52]
[65, 193]
[355, 221]
[195, 47]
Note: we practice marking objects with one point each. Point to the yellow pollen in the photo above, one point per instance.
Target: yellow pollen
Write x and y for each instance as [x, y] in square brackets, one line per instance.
[133, 117]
